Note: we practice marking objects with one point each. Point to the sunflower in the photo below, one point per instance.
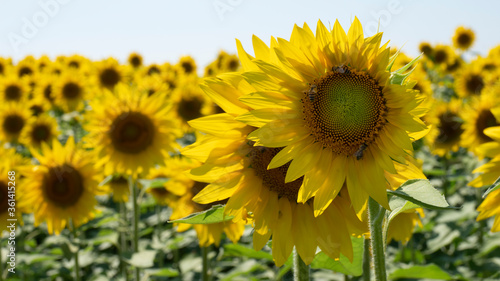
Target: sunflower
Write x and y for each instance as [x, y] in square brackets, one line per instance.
[129, 130]
[13, 89]
[42, 129]
[169, 193]
[237, 171]
[470, 81]
[425, 48]
[479, 115]
[5, 65]
[185, 189]
[77, 62]
[187, 65]
[13, 118]
[109, 74]
[70, 92]
[44, 89]
[151, 85]
[62, 187]
[442, 54]
[331, 97]
[446, 127]
[153, 69]
[135, 60]
[489, 173]
[120, 188]
[43, 63]
[463, 38]
[38, 106]
[26, 67]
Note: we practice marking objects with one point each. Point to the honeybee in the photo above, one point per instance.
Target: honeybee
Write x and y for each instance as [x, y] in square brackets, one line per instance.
[359, 153]
[341, 69]
[312, 92]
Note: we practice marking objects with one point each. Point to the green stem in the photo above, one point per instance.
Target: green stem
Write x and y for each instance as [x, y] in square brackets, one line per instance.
[376, 216]
[1, 263]
[204, 255]
[177, 257]
[136, 222]
[366, 260]
[77, 264]
[300, 269]
[123, 238]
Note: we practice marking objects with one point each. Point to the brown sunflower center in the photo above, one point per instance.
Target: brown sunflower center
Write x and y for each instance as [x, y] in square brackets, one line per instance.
[13, 93]
[135, 61]
[25, 71]
[464, 39]
[13, 124]
[450, 128]
[4, 197]
[489, 66]
[63, 185]
[274, 179]
[189, 108]
[440, 56]
[344, 109]
[109, 77]
[36, 109]
[132, 132]
[1, 68]
[233, 64]
[74, 64]
[426, 49]
[153, 70]
[188, 67]
[485, 120]
[453, 66]
[71, 90]
[40, 133]
[474, 84]
[47, 93]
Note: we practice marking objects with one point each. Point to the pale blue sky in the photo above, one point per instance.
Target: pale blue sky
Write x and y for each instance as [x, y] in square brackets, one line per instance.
[164, 30]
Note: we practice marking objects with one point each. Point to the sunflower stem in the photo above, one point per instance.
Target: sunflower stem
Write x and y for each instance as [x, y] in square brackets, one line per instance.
[204, 255]
[300, 269]
[123, 238]
[376, 216]
[77, 264]
[366, 260]
[135, 210]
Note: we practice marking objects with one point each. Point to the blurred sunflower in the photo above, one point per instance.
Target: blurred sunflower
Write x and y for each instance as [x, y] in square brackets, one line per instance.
[331, 97]
[168, 194]
[44, 90]
[425, 48]
[470, 81]
[62, 187]
[135, 60]
[185, 189]
[38, 106]
[77, 62]
[463, 38]
[43, 63]
[109, 73]
[478, 115]
[187, 65]
[13, 89]
[442, 54]
[70, 92]
[190, 103]
[42, 129]
[13, 118]
[5, 65]
[120, 188]
[237, 171]
[26, 67]
[446, 127]
[129, 130]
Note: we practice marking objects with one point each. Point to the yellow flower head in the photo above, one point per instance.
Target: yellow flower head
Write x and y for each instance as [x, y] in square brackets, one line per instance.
[135, 60]
[13, 118]
[463, 38]
[38, 130]
[13, 89]
[425, 48]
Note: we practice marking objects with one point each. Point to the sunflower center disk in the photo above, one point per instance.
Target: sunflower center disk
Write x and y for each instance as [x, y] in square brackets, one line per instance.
[71, 91]
[109, 77]
[450, 128]
[132, 132]
[63, 185]
[485, 120]
[274, 179]
[13, 93]
[475, 84]
[40, 133]
[344, 110]
[189, 109]
[13, 124]
[464, 39]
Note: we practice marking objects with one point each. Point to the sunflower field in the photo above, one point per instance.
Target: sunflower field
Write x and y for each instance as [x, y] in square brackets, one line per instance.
[329, 156]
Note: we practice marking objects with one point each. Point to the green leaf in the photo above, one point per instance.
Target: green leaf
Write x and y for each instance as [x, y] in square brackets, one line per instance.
[143, 259]
[430, 271]
[237, 250]
[493, 187]
[106, 180]
[343, 265]
[212, 215]
[164, 272]
[154, 183]
[399, 205]
[422, 193]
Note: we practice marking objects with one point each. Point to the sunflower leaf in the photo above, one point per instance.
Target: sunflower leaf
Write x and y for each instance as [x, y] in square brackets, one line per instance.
[493, 187]
[422, 193]
[399, 205]
[154, 183]
[430, 271]
[212, 215]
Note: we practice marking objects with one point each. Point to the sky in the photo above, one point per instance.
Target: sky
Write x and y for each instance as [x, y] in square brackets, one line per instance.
[164, 30]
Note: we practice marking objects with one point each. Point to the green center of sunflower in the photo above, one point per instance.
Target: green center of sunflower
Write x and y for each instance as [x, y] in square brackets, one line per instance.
[464, 39]
[274, 179]
[13, 93]
[40, 133]
[109, 77]
[450, 128]
[13, 124]
[440, 56]
[474, 84]
[189, 108]
[4, 198]
[71, 90]
[63, 185]
[188, 67]
[485, 120]
[132, 132]
[24, 71]
[345, 110]
[135, 61]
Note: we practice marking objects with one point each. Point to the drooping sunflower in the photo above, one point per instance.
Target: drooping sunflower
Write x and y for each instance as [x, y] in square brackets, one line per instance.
[129, 130]
[236, 170]
[463, 38]
[478, 115]
[446, 127]
[70, 92]
[13, 89]
[331, 96]
[42, 129]
[13, 118]
[185, 189]
[62, 187]
[488, 175]
[135, 60]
